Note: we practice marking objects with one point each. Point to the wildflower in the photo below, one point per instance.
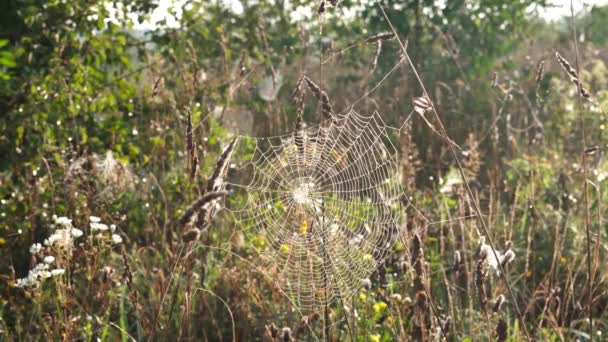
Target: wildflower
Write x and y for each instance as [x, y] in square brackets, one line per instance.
[63, 221]
[116, 239]
[49, 259]
[36, 248]
[39, 271]
[76, 232]
[396, 297]
[94, 219]
[99, 226]
[374, 338]
[61, 238]
[57, 272]
[486, 253]
[367, 284]
[284, 248]
[362, 296]
[380, 307]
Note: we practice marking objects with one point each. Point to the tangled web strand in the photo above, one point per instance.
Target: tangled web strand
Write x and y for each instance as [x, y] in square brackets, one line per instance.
[322, 205]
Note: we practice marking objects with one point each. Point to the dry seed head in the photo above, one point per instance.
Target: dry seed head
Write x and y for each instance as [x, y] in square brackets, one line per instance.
[189, 135]
[566, 65]
[201, 204]
[507, 258]
[422, 105]
[377, 56]
[156, 88]
[573, 75]
[447, 323]
[326, 108]
[274, 331]
[380, 37]
[286, 335]
[322, 7]
[106, 274]
[193, 166]
[591, 149]
[298, 97]
[498, 302]
[217, 178]
[191, 235]
[540, 70]
[190, 146]
[480, 277]
[422, 301]
[501, 331]
[298, 137]
[508, 245]
[457, 261]
[494, 81]
[482, 242]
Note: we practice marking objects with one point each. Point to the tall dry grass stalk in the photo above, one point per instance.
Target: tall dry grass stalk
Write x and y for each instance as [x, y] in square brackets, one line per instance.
[445, 136]
[582, 93]
[326, 107]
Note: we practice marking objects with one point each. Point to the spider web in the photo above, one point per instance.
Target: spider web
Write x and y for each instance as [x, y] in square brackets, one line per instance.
[322, 205]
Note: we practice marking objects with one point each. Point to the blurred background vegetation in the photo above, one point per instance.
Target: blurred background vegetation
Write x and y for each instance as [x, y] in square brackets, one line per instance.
[93, 119]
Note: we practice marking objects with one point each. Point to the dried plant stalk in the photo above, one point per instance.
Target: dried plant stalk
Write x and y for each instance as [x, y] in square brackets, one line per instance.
[299, 137]
[190, 146]
[221, 166]
[200, 204]
[480, 278]
[540, 71]
[380, 37]
[573, 76]
[321, 95]
[377, 56]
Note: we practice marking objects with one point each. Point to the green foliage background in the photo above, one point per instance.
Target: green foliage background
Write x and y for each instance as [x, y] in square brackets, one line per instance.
[78, 81]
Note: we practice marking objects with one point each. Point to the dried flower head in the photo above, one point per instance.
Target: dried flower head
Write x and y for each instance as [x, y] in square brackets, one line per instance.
[321, 95]
[422, 105]
[383, 36]
[286, 334]
[573, 75]
[498, 302]
[191, 235]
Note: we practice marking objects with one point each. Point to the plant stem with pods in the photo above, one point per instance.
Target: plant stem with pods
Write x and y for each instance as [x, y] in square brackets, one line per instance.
[585, 185]
[445, 136]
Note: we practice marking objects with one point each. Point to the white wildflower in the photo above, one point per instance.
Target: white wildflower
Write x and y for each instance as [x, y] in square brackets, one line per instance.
[36, 248]
[61, 237]
[485, 252]
[49, 259]
[507, 258]
[95, 219]
[99, 226]
[77, 232]
[63, 221]
[39, 271]
[116, 239]
[57, 272]
[495, 259]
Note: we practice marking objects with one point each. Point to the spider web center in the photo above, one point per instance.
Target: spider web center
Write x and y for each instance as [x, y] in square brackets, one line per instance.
[302, 192]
